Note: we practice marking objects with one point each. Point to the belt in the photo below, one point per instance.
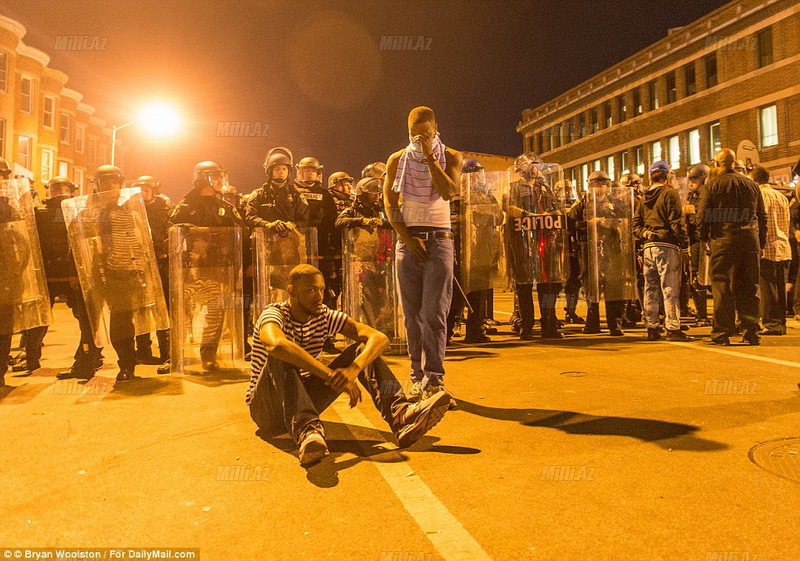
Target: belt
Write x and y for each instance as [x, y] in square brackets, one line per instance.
[432, 235]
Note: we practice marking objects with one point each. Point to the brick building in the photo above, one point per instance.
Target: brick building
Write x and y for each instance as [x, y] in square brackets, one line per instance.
[45, 128]
[727, 78]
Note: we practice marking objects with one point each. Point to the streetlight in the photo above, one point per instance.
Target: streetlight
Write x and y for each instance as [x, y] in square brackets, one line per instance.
[160, 120]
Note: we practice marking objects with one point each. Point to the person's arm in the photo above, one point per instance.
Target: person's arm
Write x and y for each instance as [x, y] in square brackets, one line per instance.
[676, 220]
[251, 214]
[276, 343]
[375, 343]
[702, 204]
[761, 214]
[637, 227]
[391, 201]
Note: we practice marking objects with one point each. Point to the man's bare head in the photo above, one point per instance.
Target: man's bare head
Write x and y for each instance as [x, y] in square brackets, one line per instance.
[421, 120]
[726, 159]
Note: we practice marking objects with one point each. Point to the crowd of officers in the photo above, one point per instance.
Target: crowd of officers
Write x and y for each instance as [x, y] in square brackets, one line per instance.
[746, 255]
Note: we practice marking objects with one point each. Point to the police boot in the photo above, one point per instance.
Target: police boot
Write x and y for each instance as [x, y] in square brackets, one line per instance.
[79, 369]
[163, 345]
[573, 317]
[550, 325]
[592, 319]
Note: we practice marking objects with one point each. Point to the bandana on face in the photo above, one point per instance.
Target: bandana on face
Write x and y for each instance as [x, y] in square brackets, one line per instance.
[413, 177]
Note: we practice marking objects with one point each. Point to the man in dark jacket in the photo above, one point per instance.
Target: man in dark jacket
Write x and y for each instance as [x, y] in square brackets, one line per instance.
[697, 178]
[732, 218]
[659, 224]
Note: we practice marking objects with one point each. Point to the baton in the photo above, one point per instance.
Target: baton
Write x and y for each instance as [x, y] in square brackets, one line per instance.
[461, 290]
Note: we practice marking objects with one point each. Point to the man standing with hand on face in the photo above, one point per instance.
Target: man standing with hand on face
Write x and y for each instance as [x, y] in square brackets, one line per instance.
[427, 175]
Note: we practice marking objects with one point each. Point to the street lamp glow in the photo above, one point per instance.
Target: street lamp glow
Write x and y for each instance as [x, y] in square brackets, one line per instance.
[160, 120]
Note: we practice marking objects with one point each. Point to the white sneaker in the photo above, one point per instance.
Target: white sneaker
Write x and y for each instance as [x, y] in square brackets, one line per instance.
[312, 448]
[421, 417]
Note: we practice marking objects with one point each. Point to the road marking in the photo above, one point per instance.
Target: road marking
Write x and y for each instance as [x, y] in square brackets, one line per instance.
[445, 532]
[736, 353]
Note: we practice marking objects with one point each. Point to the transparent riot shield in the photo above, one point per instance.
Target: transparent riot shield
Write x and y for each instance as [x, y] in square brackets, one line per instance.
[611, 253]
[206, 300]
[370, 291]
[482, 250]
[110, 241]
[537, 240]
[24, 301]
[274, 256]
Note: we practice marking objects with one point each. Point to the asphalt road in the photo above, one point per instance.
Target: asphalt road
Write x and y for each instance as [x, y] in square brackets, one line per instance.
[589, 448]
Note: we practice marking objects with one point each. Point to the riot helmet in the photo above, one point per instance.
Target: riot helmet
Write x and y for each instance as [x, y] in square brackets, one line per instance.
[375, 169]
[309, 171]
[108, 178]
[209, 174]
[278, 156]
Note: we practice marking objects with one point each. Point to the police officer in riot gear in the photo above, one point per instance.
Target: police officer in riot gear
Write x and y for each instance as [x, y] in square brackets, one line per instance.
[276, 205]
[531, 195]
[62, 278]
[158, 218]
[340, 185]
[375, 169]
[204, 207]
[572, 286]
[322, 215]
[119, 266]
[373, 285]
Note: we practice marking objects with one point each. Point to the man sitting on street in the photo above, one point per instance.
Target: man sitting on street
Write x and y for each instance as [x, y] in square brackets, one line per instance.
[290, 387]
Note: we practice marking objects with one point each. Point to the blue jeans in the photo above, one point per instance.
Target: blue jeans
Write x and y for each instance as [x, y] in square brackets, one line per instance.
[426, 290]
[662, 278]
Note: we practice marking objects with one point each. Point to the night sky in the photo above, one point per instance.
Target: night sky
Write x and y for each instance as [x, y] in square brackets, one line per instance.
[313, 71]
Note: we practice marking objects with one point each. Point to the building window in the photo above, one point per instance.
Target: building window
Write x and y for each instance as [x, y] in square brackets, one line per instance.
[26, 95]
[714, 140]
[694, 146]
[623, 157]
[690, 77]
[63, 135]
[597, 165]
[63, 168]
[639, 160]
[80, 177]
[3, 71]
[637, 102]
[675, 152]
[24, 151]
[80, 137]
[672, 89]
[2, 138]
[569, 131]
[48, 118]
[711, 70]
[595, 121]
[551, 138]
[92, 156]
[585, 176]
[769, 126]
[607, 114]
[652, 90]
[47, 165]
[539, 145]
[610, 166]
[764, 40]
[655, 151]
[582, 125]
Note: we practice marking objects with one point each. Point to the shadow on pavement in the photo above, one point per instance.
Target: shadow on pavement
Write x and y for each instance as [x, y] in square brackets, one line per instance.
[16, 395]
[141, 387]
[218, 378]
[341, 443]
[675, 436]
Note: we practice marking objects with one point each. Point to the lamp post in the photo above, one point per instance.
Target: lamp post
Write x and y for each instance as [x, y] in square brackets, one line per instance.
[159, 119]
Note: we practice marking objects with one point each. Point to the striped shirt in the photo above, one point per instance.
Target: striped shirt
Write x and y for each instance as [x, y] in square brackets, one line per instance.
[777, 208]
[310, 336]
